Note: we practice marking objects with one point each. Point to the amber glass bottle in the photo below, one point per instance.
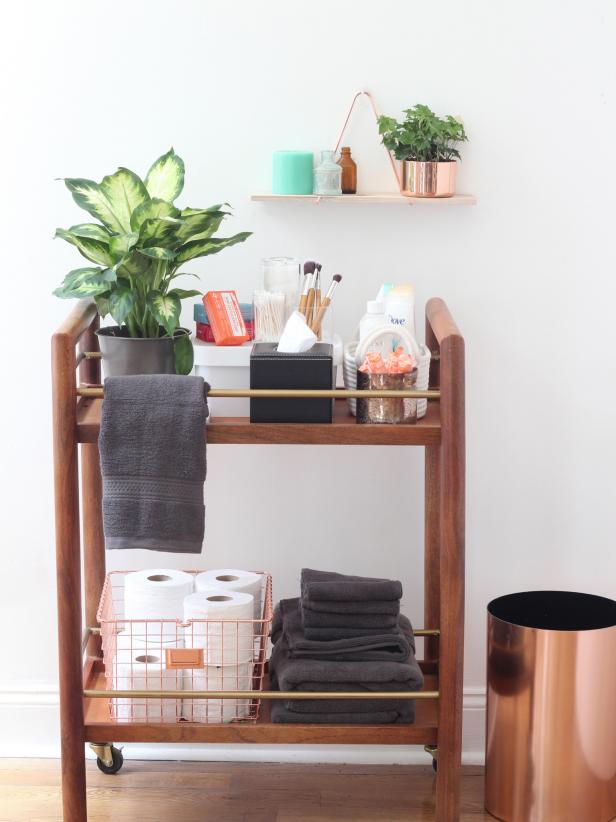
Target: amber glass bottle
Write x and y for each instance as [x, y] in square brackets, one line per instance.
[349, 171]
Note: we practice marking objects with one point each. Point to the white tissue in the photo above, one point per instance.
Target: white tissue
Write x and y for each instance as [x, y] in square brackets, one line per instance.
[145, 671]
[231, 579]
[228, 636]
[297, 336]
[157, 594]
[217, 678]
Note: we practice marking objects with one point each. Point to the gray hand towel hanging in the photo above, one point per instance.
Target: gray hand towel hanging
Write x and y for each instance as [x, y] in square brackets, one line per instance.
[152, 450]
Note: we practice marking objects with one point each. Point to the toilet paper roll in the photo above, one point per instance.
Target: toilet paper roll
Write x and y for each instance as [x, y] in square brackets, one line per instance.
[125, 646]
[147, 672]
[155, 593]
[227, 636]
[217, 678]
[231, 579]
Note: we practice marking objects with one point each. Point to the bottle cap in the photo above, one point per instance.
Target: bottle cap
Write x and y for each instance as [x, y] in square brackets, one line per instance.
[374, 307]
[345, 149]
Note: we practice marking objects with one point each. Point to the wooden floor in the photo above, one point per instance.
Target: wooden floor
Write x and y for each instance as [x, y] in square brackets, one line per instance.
[234, 792]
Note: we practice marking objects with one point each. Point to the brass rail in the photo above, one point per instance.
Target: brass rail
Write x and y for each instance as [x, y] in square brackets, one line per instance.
[292, 393]
[98, 694]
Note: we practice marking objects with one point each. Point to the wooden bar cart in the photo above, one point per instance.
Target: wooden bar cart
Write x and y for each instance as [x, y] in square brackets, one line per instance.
[85, 717]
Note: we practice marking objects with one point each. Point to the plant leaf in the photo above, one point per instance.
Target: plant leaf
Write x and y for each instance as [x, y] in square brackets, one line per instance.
[165, 179]
[199, 226]
[93, 231]
[157, 253]
[161, 231]
[165, 309]
[133, 265]
[184, 354]
[86, 282]
[121, 302]
[93, 250]
[89, 196]
[121, 244]
[202, 248]
[183, 293]
[151, 210]
[126, 192]
[102, 304]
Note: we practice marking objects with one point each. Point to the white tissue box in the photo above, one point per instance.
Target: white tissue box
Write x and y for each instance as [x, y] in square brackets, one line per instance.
[224, 366]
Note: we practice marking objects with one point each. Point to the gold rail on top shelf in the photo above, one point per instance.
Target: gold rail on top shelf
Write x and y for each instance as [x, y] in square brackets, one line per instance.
[96, 391]
[98, 694]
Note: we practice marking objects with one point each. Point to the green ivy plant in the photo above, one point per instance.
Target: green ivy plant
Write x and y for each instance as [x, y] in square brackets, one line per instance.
[422, 135]
[139, 246]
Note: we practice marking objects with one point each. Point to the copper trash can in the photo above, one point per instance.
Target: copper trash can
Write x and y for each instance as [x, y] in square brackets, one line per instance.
[551, 712]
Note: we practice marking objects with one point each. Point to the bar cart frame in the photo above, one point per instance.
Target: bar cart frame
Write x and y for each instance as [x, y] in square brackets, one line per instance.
[83, 710]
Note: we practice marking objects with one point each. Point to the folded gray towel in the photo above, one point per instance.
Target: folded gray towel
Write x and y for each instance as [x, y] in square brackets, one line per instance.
[330, 586]
[403, 714]
[317, 619]
[392, 647]
[327, 675]
[331, 634]
[152, 451]
[370, 606]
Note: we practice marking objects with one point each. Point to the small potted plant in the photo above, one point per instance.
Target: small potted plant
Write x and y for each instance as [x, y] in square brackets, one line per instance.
[426, 146]
[139, 246]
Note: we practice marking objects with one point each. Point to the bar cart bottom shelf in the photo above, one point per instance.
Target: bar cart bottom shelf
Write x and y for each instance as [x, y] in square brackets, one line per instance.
[99, 727]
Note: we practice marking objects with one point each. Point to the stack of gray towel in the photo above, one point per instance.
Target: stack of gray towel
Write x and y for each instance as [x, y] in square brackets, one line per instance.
[345, 633]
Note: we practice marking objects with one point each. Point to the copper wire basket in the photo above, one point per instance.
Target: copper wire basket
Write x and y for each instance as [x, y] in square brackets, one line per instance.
[172, 655]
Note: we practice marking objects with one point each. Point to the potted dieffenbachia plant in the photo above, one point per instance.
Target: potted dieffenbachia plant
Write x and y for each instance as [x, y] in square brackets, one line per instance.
[425, 144]
[139, 247]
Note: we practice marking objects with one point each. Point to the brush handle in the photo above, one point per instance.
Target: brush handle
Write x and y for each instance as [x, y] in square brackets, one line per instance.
[317, 308]
[302, 304]
[310, 305]
[316, 325]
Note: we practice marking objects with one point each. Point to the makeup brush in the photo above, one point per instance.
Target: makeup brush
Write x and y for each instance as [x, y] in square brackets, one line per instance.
[326, 301]
[309, 267]
[310, 299]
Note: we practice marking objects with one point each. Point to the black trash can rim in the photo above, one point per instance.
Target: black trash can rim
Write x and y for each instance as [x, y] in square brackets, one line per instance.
[555, 610]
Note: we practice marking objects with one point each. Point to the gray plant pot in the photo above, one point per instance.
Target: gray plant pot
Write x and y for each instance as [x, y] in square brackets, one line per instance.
[124, 355]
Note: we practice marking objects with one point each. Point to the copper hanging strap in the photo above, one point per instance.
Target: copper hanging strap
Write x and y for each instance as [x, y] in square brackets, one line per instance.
[376, 117]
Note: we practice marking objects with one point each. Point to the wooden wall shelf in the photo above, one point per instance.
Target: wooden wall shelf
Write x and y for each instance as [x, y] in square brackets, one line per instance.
[366, 199]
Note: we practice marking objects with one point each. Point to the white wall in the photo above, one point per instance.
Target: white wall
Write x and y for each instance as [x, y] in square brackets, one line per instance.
[528, 273]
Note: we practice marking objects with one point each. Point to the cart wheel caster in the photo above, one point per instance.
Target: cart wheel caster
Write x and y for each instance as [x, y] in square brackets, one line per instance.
[114, 760]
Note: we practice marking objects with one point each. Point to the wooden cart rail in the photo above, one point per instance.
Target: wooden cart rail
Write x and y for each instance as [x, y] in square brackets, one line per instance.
[76, 424]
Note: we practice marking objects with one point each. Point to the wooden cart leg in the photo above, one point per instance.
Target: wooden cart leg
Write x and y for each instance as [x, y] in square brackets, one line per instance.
[68, 579]
[451, 643]
[91, 494]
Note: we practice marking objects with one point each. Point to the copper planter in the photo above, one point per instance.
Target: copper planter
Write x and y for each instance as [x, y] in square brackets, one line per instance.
[551, 712]
[428, 179]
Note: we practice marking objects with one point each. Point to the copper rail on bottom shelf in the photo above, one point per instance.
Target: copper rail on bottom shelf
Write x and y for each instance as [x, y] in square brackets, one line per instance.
[98, 694]
[96, 392]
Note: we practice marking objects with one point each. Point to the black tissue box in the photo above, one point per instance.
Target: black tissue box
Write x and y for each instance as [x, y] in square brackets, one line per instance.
[272, 369]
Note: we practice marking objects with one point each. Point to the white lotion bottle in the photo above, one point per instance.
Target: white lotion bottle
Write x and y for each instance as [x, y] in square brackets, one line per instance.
[373, 318]
[400, 307]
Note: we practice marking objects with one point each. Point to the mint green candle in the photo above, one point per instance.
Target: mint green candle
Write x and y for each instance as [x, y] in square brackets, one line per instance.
[292, 172]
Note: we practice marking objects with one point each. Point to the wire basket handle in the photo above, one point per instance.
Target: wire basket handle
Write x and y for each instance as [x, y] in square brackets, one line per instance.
[376, 117]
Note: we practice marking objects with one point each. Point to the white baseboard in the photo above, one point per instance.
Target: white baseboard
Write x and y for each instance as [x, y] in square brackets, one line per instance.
[30, 728]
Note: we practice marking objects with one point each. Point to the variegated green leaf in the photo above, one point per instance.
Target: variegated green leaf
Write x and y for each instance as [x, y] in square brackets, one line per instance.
[165, 179]
[166, 309]
[121, 244]
[183, 353]
[184, 293]
[121, 302]
[126, 192]
[199, 226]
[102, 304]
[202, 248]
[161, 231]
[93, 199]
[157, 253]
[86, 282]
[134, 265]
[94, 250]
[187, 212]
[93, 231]
[151, 210]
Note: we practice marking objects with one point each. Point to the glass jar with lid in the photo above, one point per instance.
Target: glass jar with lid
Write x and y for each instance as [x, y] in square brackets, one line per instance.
[327, 176]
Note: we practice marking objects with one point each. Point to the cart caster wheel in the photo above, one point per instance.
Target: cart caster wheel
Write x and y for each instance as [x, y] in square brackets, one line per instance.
[117, 761]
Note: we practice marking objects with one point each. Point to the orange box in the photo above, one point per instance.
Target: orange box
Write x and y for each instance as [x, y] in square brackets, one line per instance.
[225, 317]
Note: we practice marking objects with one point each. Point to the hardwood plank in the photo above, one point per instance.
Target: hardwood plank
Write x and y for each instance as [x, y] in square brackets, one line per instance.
[366, 199]
[343, 431]
[236, 792]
